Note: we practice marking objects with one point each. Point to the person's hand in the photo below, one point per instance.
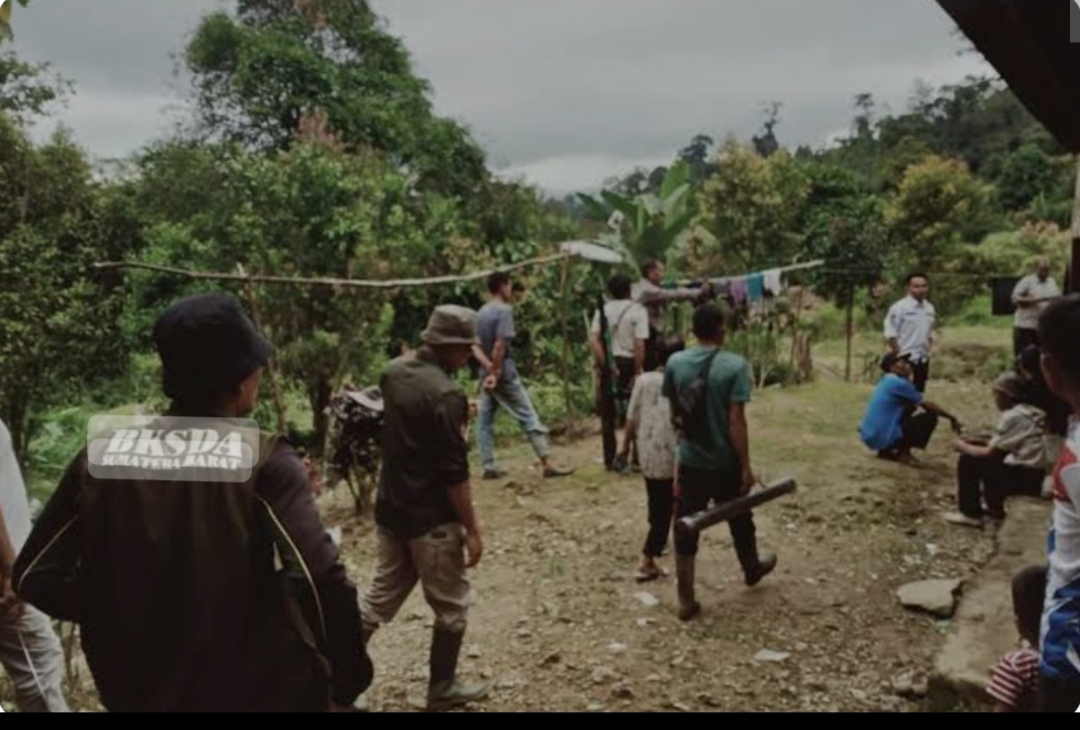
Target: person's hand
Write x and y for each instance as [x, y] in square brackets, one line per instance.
[747, 483]
[960, 446]
[957, 427]
[315, 477]
[474, 548]
[490, 382]
[10, 605]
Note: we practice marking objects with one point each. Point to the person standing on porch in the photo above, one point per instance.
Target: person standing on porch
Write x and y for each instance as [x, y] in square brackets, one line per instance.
[502, 385]
[1031, 295]
[909, 328]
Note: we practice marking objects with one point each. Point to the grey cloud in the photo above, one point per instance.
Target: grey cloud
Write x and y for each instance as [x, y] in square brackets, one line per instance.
[554, 85]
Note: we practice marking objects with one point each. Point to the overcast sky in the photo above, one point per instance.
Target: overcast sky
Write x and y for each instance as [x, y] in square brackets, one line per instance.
[563, 92]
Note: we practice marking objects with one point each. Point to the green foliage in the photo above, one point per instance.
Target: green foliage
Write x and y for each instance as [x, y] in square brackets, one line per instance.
[261, 75]
[655, 225]
[751, 207]
[59, 315]
[6, 33]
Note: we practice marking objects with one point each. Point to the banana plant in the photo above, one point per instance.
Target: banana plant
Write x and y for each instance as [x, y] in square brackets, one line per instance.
[5, 18]
[652, 226]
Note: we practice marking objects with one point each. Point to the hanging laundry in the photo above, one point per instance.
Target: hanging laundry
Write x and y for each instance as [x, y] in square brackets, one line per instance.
[739, 292]
[773, 284]
[755, 284]
[721, 287]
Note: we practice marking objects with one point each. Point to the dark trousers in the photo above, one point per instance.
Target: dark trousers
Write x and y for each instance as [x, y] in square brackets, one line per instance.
[918, 429]
[1057, 696]
[661, 506]
[1022, 338]
[921, 375]
[624, 386]
[990, 478]
[697, 488]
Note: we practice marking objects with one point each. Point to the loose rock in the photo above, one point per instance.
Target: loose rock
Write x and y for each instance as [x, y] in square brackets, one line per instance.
[933, 596]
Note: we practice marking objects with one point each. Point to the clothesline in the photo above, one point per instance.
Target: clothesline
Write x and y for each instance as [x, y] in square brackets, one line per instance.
[325, 281]
[693, 283]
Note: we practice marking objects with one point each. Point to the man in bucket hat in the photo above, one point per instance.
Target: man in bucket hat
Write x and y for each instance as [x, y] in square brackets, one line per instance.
[171, 576]
[423, 511]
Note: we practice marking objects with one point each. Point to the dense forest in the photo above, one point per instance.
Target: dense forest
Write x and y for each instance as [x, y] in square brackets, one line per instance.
[313, 149]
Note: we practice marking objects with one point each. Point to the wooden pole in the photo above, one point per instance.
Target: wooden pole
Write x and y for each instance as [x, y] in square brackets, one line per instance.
[279, 402]
[1074, 260]
[564, 286]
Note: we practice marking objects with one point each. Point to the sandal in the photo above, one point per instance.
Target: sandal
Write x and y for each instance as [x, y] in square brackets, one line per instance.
[646, 576]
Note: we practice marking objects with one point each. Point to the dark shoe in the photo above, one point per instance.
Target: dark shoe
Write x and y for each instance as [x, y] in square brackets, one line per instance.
[766, 565]
[494, 474]
[684, 574]
[553, 471]
[444, 691]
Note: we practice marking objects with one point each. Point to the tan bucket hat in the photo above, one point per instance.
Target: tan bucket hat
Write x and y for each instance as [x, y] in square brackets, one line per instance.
[1011, 385]
[451, 325]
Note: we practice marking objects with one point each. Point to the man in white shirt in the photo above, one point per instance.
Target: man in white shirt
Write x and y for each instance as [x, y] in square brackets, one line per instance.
[628, 323]
[1031, 295]
[909, 328]
[29, 647]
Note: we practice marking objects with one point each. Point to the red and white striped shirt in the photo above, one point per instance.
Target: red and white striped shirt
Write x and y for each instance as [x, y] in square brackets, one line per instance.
[1015, 678]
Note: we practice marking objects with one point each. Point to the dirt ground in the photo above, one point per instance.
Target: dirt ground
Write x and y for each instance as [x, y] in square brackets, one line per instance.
[559, 623]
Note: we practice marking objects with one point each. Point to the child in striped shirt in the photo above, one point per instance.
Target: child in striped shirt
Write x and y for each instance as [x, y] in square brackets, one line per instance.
[1014, 681]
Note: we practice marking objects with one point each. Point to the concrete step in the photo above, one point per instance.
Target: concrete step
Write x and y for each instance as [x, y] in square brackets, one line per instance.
[983, 627]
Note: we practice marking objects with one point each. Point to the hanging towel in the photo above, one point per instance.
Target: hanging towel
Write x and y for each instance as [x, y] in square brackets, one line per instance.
[755, 284]
[773, 285]
[739, 291]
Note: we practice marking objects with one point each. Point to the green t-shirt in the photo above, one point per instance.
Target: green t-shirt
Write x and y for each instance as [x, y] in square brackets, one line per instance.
[729, 382]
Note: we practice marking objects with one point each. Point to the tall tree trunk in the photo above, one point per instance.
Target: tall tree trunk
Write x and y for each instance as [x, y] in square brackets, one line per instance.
[319, 397]
[16, 418]
[850, 333]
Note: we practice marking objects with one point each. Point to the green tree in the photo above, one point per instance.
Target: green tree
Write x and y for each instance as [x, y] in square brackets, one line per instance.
[752, 207]
[60, 333]
[278, 62]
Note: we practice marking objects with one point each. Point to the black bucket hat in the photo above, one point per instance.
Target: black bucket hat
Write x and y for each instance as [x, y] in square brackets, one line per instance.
[207, 345]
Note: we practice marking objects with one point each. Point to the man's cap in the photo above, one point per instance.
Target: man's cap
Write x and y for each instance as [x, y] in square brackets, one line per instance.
[451, 325]
[891, 359]
[207, 345]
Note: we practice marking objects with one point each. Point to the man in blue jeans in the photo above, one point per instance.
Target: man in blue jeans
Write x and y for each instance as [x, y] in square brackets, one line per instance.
[502, 385]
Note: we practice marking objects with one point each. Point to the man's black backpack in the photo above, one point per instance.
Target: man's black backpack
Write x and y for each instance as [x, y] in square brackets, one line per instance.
[689, 409]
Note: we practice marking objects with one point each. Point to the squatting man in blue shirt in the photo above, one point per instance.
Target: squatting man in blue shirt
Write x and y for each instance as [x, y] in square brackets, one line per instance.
[898, 417]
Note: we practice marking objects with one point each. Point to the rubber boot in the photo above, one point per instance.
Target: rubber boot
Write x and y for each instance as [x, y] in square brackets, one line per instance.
[684, 573]
[362, 703]
[766, 564]
[444, 691]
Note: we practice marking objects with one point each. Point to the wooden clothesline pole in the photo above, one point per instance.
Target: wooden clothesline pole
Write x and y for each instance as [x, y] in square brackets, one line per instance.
[327, 281]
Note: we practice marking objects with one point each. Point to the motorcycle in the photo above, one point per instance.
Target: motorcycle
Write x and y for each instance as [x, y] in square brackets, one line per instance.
[355, 456]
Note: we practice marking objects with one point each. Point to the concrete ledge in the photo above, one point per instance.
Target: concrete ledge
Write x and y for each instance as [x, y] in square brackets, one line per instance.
[983, 628]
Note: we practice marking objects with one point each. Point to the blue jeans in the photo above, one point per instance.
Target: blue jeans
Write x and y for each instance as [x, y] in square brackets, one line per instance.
[511, 395]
